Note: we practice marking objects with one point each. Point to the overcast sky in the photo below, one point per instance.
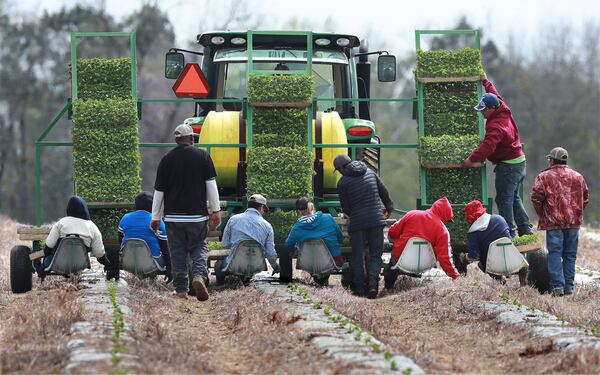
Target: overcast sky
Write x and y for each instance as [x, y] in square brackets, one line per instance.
[395, 20]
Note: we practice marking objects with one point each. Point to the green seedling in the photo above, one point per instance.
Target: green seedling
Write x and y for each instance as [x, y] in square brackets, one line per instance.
[317, 305]
[376, 347]
[388, 355]
[326, 310]
[358, 336]
[517, 303]
[531, 309]
[505, 296]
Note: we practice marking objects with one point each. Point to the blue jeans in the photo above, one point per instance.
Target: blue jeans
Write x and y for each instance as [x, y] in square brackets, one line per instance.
[187, 239]
[510, 206]
[562, 253]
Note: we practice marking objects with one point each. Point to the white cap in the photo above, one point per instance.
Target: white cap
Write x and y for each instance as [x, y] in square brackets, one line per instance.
[183, 130]
[258, 198]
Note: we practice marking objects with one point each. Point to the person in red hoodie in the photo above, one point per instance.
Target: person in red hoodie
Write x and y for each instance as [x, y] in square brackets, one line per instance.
[429, 225]
[502, 146]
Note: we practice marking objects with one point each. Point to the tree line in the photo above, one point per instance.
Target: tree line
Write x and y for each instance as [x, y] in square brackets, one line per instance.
[553, 90]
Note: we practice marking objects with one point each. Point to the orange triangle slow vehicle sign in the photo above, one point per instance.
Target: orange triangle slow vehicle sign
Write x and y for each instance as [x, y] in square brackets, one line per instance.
[191, 83]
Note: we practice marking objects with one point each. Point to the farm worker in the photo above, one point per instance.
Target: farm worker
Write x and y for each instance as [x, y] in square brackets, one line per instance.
[502, 146]
[313, 225]
[361, 191]
[78, 223]
[428, 225]
[484, 230]
[185, 181]
[137, 225]
[559, 196]
[249, 225]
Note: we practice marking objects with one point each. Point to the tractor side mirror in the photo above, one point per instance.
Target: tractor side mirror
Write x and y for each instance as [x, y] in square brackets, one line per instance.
[386, 68]
[174, 63]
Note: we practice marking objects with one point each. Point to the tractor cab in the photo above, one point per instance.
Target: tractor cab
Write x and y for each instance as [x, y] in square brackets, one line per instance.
[340, 70]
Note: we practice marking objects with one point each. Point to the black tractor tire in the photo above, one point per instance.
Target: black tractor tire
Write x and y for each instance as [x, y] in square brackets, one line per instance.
[21, 275]
[538, 276]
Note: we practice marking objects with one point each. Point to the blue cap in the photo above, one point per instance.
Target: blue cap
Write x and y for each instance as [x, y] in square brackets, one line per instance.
[488, 100]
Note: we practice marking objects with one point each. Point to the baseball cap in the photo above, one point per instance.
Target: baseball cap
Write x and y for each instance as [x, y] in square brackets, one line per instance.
[488, 100]
[473, 210]
[258, 198]
[558, 153]
[302, 204]
[341, 161]
[183, 130]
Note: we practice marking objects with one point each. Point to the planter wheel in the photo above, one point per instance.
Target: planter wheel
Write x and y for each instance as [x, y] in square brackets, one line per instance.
[21, 276]
[538, 276]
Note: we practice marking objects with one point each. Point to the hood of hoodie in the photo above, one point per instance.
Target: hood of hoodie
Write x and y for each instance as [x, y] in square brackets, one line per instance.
[442, 209]
[311, 221]
[78, 208]
[355, 168]
[481, 223]
[502, 111]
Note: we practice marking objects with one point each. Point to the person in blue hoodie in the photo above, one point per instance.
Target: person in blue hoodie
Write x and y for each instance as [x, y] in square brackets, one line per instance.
[313, 225]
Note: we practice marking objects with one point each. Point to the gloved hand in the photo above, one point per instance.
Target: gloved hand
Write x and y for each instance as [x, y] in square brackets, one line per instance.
[276, 268]
[155, 225]
[169, 275]
[104, 261]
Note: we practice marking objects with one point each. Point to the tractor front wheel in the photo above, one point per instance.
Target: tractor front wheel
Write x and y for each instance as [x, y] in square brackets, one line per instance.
[21, 275]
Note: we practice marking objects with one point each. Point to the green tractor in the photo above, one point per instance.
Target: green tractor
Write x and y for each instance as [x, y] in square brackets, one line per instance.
[341, 74]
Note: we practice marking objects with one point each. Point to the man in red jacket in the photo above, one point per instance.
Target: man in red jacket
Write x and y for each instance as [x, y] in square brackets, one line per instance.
[559, 196]
[502, 146]
[429, 225]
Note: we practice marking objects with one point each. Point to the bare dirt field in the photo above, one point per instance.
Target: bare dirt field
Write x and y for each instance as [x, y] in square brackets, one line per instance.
[441, 325]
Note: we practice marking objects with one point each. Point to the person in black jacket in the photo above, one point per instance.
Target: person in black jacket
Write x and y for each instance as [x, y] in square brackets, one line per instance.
[361, 193]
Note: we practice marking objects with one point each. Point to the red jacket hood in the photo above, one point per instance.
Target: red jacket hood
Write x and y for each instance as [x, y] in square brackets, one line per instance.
[442, 209]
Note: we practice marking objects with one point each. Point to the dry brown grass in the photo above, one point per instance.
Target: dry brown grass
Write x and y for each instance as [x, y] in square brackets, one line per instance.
[588, 253]
[35, 326]
[236, 332]
[444, 328]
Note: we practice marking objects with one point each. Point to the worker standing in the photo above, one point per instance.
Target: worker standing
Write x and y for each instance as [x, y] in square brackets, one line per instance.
[361, 192]
[185, 180]
[559, 196]
[502, 146]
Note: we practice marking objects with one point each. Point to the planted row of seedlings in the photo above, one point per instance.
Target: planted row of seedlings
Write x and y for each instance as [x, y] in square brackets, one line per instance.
[280, 164]
[118, 324]
[451, 130]
[106, 156]
[351, 326]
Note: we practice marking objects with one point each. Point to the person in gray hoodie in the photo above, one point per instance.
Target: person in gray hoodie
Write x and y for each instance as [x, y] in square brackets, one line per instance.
[313, 225]
[361, 193]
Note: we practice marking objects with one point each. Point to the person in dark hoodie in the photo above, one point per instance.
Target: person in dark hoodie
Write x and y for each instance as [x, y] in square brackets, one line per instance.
[361, 193]
[313, 225]
[77, 222]
[137, 225]
[502, 146]
[428, 225]
[484, 230]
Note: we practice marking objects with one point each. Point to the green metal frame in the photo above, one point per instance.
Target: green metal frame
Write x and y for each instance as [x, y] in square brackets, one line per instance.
[422, 202]
[331, 204]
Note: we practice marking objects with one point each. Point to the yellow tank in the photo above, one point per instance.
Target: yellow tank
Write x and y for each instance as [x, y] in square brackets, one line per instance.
[333, 132]
[224, 127]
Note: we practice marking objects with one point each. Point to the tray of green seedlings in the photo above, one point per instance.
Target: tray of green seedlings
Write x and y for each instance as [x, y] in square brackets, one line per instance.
[528, 242]
[449, 65]
[280, 91]
[446, 151]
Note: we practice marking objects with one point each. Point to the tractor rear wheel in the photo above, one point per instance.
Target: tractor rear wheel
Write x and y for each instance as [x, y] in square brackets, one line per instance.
[538, 276]
[21, 275]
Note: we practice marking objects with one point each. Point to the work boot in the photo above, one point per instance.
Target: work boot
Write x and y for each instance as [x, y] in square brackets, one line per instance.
[199, 286]
[182, 295]
[558, 292]
[372, 293]
[525, 230]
